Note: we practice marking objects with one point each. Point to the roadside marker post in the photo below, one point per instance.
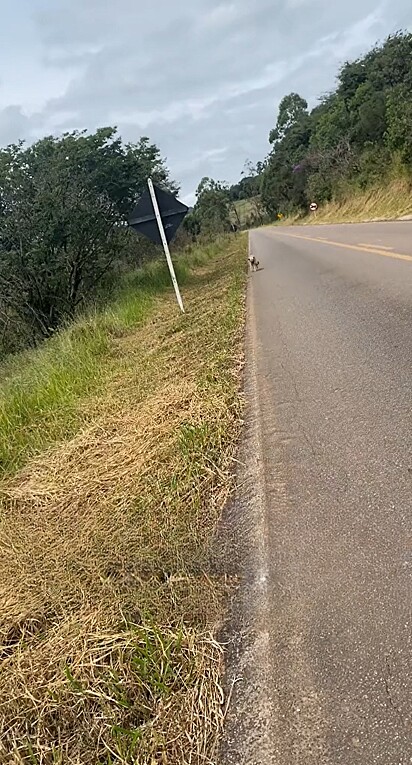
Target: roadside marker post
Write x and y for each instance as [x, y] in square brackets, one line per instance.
[165, 244]
[158, 215]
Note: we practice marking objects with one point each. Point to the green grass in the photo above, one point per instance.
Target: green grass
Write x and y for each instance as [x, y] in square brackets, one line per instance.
[246, 210]
[118, 437]
[41, 389]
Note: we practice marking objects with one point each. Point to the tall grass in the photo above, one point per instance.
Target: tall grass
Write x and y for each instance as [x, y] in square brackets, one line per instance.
[41, 390]
[118, 437]
[388, 202]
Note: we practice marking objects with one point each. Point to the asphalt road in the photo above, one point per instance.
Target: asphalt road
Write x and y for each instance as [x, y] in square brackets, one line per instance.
[325, 657]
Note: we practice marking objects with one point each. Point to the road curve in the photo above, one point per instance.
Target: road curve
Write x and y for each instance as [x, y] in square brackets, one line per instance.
[323, 661]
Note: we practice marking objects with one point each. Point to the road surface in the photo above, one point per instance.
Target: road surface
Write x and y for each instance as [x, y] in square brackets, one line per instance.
[322, 663]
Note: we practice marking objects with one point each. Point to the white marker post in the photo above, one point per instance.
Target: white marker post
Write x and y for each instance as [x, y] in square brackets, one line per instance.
[165, 244]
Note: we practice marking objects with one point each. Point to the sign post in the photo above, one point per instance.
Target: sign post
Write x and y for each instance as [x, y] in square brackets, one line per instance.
[165, 244]
[154, 207]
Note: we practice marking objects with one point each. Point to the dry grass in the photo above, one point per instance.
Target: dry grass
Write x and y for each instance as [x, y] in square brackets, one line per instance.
[138, 695]
[383, 203]
[107, 602]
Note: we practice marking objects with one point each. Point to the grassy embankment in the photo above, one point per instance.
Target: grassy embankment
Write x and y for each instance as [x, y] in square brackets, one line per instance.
[116, 445]
[388, 202]
[246, 210]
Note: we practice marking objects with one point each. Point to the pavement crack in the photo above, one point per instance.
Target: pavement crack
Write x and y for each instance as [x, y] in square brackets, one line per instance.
[388, 677]
[298, 400]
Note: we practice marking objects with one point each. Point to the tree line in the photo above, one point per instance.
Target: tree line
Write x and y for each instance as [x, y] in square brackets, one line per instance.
[357, 136]
[216, 211]
[64, 204]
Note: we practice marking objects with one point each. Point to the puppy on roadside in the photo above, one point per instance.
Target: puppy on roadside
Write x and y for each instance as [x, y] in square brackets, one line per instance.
[254, 264]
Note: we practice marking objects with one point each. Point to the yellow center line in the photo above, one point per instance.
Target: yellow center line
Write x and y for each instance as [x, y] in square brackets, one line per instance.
[378, 246]
[356, 247]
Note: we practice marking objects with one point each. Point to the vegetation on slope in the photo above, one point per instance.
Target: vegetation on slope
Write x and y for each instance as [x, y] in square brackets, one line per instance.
[355, 142]
[356, 138]
[123, 429]
[389, 202]
[221, 208]
[63, 241]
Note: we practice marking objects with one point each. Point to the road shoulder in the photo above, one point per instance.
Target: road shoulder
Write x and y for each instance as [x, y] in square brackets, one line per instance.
[247, 737]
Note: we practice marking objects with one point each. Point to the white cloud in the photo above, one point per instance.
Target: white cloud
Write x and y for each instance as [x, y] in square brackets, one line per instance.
[196, 76]
[360, 35]
[220, 16]
[214, 157]
[311, 4]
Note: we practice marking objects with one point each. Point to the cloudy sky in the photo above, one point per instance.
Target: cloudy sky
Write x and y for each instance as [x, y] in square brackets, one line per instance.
[202, 78]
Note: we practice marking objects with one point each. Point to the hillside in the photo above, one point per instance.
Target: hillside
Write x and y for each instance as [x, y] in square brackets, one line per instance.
[247, 210]
[392, 202]
[351, 153]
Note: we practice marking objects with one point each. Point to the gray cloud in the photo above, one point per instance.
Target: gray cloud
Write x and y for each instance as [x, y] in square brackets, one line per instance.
[203, 79]
[14, 124]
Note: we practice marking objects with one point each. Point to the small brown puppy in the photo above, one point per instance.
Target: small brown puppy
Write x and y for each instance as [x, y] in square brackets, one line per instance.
[254, 264]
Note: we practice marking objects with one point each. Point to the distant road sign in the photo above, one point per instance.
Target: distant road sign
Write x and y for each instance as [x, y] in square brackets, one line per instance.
[143, 218]
[313, 207]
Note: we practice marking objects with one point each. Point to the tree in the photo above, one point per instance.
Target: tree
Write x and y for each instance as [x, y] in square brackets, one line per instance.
[63, 208]
[292, 109]
[212, 211]
[330, 125]
[283, 180]
[399, 116]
